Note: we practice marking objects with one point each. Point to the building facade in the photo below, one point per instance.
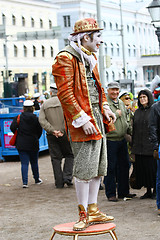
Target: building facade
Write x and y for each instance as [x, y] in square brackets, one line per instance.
[26, 56]
[26, 59]
[141, 52]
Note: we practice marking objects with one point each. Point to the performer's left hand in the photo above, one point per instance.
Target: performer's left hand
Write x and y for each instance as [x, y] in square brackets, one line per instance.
[109, 114]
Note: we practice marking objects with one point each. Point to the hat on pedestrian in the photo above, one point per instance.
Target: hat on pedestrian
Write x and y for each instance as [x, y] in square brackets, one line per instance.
[36, 95]
[113, 85]
[53, 86]
[28, 103]
[122, 94]
[86, 25]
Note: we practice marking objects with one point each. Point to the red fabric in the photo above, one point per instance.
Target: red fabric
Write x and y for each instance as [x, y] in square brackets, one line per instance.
[70, 78]
[12, 141]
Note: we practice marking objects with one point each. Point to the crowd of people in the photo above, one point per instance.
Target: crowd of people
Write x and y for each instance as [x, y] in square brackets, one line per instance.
[100, 135]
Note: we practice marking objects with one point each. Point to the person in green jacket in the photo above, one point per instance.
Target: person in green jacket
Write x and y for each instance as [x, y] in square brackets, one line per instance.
[117, 150]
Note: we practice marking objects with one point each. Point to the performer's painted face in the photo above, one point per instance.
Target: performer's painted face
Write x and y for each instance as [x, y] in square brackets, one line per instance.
[94, 42]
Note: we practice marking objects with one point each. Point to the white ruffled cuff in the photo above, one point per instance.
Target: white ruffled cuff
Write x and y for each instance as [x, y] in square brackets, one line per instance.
[106, 107]
[79, 122]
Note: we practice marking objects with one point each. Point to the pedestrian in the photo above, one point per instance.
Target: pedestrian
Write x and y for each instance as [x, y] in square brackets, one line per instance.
[36, 97]
[117, 152]
[128, 100]
[145, 164]
[27, 141]
[52, 120]
[154, 124]
[85, 106]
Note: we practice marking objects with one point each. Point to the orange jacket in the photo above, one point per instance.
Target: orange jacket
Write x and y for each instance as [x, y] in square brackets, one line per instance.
[71, 81]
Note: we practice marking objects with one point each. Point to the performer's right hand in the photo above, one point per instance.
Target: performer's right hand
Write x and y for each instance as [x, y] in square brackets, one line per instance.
[89, 128]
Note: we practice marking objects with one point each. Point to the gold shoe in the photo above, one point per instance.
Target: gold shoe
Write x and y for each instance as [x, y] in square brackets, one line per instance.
[82, 223]
[95, 216]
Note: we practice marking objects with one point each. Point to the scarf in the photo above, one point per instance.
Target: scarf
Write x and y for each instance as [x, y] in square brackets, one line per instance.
[85, 54]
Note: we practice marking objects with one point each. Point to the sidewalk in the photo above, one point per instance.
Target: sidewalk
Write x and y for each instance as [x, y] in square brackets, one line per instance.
[30, 214]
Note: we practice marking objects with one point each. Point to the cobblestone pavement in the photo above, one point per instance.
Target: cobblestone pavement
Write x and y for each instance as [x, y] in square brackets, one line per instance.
[30, 214]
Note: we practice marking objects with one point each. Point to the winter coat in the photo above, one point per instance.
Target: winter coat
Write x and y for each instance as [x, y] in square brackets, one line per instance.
[154, 123]
[70, 77]
[121, 124]
[51, 115]
[141, 143]
[29, 132]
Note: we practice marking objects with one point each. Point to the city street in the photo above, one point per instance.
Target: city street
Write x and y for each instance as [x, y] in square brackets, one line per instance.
[30, 214]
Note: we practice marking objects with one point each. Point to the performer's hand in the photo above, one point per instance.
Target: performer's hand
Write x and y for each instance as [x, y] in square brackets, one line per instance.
[89, 128]
[109, 114]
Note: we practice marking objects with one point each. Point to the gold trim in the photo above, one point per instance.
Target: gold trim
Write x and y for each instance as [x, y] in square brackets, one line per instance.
[66, 54]
[54, 61]
[105, 103]
[84, 50]
[78, 115]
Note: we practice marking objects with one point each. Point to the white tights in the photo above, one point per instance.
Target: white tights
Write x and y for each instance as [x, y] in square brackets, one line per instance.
[87, 191]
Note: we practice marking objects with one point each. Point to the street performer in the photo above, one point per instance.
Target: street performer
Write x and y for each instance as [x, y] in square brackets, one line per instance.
[85, 110]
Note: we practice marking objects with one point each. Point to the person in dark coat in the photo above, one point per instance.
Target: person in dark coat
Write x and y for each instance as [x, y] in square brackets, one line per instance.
[145, 164]
[155, 140]
[36, 101]
[27, 142]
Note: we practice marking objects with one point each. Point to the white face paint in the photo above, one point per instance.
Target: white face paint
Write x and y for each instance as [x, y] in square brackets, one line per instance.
[93, 45]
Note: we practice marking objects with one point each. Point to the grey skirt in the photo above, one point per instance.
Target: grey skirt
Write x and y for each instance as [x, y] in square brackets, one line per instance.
[90, 158]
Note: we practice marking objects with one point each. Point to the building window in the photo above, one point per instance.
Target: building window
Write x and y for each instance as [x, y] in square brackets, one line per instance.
[4, 50]
[113, 76]
[133, 29]
[116, 26]
[32, 22]
[146, 51]
[13, 20]
[106, 49]
[34, 51]
[134, 50]
[52, 52]
[107, 76]
[129, 50]
[3, 19]
[67, 21]
[117, 49]
[41, 23]
[25, 51]
[110, 26]
[112, 49]
[15, 51]
[50, 24]
[136, 76]
[43, 51]
[66, 42]
[23, 21]
[129, 74]
[127, 28]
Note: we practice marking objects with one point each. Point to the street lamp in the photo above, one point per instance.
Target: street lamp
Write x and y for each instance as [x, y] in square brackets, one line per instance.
[154, 11]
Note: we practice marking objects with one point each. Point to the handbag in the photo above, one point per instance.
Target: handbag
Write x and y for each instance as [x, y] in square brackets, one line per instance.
[132, 179]
[12, 141]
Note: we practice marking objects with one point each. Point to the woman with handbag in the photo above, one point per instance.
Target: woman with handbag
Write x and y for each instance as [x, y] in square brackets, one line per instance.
[27, 141]
[145, 164]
